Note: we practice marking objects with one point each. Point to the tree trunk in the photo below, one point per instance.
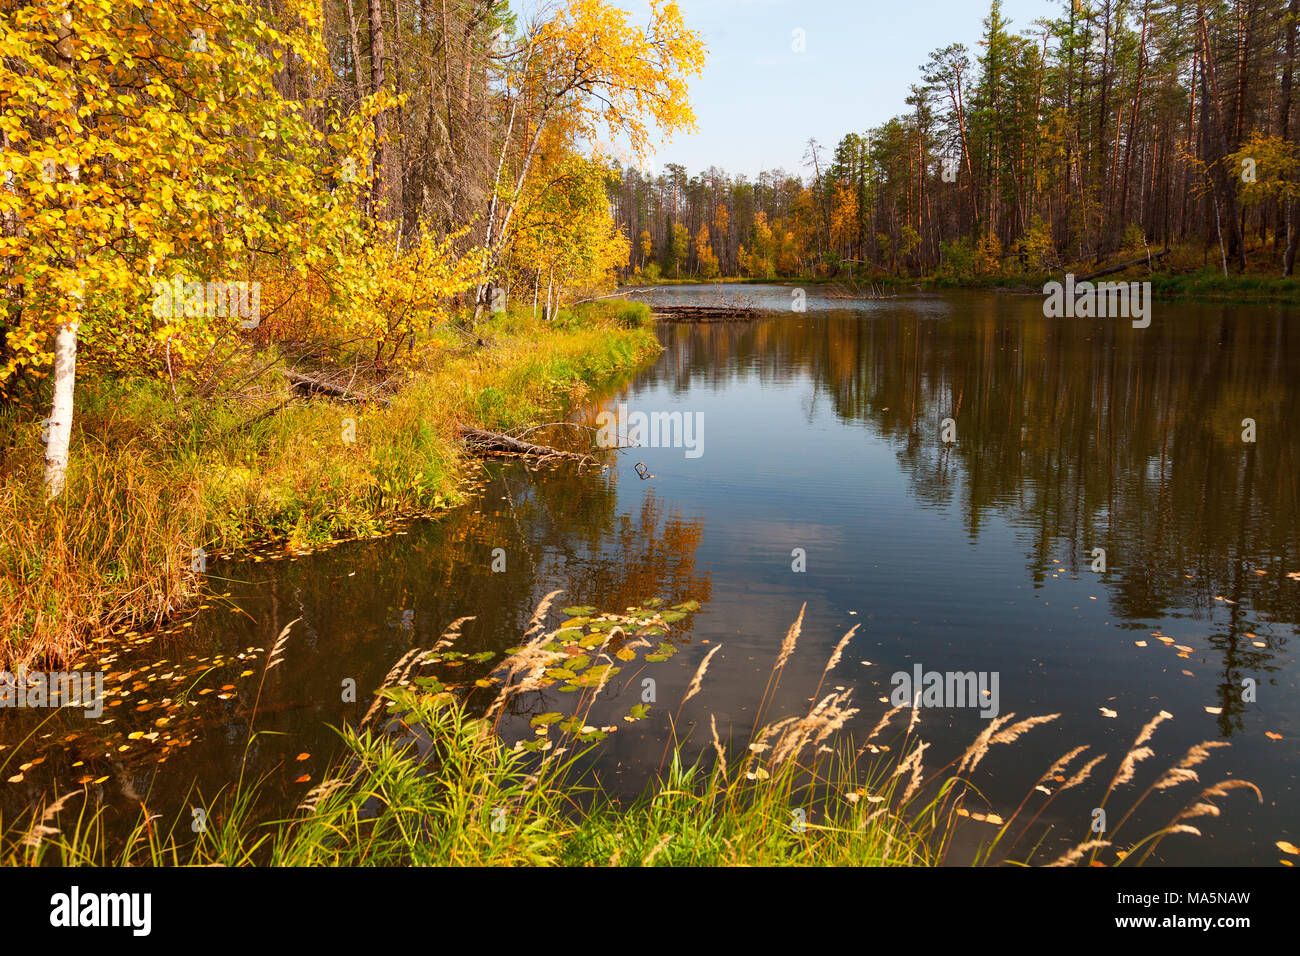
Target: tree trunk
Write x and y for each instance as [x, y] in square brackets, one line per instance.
[58, 434]
[381, 188]
[59, 430]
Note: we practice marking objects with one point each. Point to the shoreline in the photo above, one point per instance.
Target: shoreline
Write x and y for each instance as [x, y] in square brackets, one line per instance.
[152, 510]
[1204, 285]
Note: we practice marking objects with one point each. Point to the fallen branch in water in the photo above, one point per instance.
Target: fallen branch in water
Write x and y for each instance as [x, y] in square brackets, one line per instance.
[478, 439]
[702, 313]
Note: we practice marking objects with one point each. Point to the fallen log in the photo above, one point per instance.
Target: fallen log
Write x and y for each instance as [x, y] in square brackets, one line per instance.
[702, 313]
[1110, 270]
[306, 383]
[476, 439]
[480, 439]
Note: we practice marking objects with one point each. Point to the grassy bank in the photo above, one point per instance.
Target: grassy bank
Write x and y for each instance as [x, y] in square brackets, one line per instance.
[433, 781]
[156, 475]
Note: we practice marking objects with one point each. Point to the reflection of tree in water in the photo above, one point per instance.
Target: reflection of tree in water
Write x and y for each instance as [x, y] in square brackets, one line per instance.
[365, 604]
[1085, 434]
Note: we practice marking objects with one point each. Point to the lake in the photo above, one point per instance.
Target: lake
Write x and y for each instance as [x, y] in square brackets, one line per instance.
[938, 469]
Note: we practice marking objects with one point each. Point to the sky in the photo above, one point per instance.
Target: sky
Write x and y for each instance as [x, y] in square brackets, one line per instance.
[759, 101]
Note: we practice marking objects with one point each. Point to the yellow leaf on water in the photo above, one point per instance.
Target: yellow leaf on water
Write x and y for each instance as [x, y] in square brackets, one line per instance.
[1107, 712]
[1214, 710]
[1272, 736]
[1288, 848]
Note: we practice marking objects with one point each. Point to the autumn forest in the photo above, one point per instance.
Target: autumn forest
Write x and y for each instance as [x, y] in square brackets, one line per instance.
[404, 462]
[1114, 125]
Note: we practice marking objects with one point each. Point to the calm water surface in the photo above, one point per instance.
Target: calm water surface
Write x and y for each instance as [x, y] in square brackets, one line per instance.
[822, 433]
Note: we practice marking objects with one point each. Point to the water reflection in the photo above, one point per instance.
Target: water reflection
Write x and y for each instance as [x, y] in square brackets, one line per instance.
[822, 438]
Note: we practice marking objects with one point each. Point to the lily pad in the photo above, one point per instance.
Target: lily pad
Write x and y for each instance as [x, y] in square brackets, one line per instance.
[542, 720]
[579, 610]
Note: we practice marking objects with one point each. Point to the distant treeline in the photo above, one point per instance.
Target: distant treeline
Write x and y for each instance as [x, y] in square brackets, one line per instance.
[1118, 124]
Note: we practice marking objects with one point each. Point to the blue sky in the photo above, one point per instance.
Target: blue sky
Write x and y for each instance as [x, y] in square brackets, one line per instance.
[758, 102]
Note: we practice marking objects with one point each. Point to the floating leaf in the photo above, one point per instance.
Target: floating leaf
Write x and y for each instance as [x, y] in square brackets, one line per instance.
[687, 606]
[672, 617]
[575, 611]
[542, 720]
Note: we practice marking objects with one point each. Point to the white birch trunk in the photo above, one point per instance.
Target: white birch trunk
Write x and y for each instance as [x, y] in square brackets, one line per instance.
[59, 431]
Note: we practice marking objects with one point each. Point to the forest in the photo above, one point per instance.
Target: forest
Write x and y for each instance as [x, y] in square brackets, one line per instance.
[1115, 126]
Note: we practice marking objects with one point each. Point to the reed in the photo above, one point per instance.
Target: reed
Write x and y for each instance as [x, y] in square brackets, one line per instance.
[426, 782]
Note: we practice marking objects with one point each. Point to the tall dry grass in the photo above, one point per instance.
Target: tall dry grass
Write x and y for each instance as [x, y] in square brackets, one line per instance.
[425, 781]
